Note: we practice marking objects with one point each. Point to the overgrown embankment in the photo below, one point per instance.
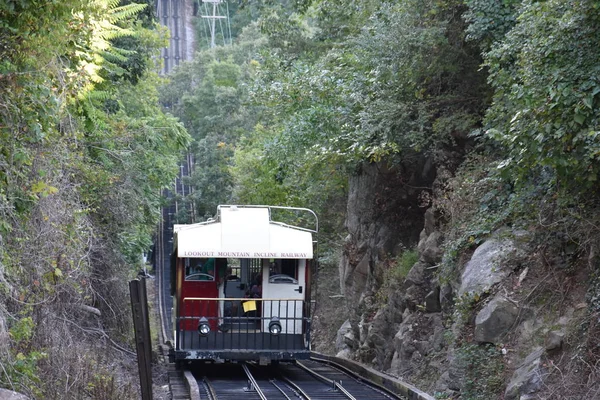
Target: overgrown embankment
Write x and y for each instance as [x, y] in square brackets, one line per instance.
[84, 152]
[503, 300]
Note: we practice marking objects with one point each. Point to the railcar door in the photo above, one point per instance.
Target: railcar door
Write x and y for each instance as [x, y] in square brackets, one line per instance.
[199, 280]
[284, 279]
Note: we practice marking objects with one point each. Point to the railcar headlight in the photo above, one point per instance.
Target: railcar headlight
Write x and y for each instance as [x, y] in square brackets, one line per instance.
[274, 326]
[203, 327]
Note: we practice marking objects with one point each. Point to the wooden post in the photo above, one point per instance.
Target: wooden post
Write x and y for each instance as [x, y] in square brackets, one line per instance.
[143, 343]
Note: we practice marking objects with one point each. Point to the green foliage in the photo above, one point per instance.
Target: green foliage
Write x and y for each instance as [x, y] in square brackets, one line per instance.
[329, 84]
[137, 150]
[484, 371]
[22, 330]
[339, 19]
[104, 386]
[405, 82]
[22, 370]
[489, 20]
[215, 110]
[545, 111]
[404, 263]
[257, 177]
[286, 29]
[285, 114]
[84, 152]
[476, 202]
[396, 271]
[464, 308]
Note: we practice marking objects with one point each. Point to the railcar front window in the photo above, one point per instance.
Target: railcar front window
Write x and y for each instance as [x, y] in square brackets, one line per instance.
[200, 269]
[283, 271]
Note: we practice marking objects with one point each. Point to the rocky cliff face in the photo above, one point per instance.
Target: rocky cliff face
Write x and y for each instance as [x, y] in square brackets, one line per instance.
[491, 329]
[386, 209]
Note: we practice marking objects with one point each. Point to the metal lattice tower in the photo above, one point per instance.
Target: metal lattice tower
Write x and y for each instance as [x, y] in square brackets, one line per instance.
[212, 12]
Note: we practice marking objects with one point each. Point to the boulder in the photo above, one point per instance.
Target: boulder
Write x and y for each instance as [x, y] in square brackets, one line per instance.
[414, 296]
[456, 372]
[419, 335]
[6, 394]
[340, 341]
[554, 340]
[486, 267]
[429, 221]
[363, 331]
[495, 320]
[400, 336]
[441, 384]
[350, 340]
[346, 354]
[396, 364]
[396, 306]
[357, 281]
[424, 347]
[380, 325]
[528, 397]
[528, 377]
[437, 338]
[4, 337]
[446, 297]
[380, 330]
[416, 275]
[429, 249]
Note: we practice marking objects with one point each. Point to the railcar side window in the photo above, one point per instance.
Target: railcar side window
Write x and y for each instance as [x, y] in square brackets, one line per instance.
[284, 271]
[199, 269]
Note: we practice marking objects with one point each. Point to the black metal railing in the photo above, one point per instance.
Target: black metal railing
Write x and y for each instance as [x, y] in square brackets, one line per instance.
[242, 325]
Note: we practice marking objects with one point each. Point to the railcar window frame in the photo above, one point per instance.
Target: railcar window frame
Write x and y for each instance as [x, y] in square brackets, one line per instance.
[191, 271]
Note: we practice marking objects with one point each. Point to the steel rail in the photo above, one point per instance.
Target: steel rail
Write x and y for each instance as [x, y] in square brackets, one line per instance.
[253, 382]
[337, 385]
[210, 390]
[354, 375]
[295, 387]
[274, 383]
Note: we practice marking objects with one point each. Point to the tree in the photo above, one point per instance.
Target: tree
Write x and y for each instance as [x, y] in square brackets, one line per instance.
[210, 96]
[545, 109]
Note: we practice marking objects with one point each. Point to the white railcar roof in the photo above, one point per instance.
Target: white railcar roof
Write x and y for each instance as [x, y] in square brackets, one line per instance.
[243, 232]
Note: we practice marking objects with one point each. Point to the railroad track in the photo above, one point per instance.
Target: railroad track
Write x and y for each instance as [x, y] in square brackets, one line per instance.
[177, 16]
[308, 380]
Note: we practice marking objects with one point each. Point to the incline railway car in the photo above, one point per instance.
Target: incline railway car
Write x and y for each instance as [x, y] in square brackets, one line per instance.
[241, 285]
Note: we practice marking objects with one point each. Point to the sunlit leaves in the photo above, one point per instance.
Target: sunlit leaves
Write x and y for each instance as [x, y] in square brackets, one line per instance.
[54, 96]
[85, 150]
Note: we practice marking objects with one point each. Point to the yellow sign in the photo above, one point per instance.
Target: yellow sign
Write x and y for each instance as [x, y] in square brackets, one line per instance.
[249, 306]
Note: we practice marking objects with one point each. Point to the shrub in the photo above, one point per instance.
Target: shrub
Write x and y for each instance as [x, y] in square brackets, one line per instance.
[483, 369]
[404, 263]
